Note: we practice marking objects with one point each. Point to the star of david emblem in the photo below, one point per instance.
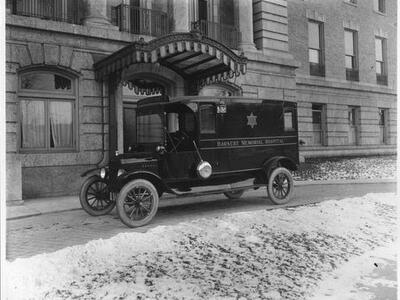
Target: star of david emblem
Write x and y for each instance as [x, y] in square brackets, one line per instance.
[252, 120]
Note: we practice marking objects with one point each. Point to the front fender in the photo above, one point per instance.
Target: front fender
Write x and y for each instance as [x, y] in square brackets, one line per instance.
[150, 176]
[84, 174]
[284, 161]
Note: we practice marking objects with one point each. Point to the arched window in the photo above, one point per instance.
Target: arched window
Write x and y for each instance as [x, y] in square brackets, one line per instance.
[47, 111]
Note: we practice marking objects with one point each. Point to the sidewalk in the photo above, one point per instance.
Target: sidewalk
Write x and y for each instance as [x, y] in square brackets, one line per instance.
[41, 206]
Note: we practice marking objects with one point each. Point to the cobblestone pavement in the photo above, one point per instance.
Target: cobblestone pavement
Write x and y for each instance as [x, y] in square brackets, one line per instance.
[51, 232]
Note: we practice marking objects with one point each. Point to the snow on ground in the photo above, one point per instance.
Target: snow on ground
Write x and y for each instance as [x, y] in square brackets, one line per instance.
[287, 253]
[371, 167]
[369, 276]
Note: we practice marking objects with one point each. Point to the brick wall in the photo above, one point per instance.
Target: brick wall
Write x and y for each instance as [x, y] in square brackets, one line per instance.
[336, 15]
[334, 90]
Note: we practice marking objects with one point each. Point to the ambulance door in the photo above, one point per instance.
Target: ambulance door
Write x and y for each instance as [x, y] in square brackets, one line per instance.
[209, 148]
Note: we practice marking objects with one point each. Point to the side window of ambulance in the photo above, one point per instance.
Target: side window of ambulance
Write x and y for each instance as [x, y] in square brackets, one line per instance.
[207, 118]
[288, 120]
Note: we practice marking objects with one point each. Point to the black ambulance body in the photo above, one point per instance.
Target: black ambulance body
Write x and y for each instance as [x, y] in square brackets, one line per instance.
[191, 142]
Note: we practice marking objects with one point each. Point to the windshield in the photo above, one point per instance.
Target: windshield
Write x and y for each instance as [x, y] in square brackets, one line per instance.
[150, 127]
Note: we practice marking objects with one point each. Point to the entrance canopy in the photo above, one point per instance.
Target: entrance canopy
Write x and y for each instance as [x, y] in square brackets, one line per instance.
[194, 57]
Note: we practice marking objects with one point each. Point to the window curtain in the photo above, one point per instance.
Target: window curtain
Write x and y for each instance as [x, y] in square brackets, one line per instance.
[61, 129]
[33, 124]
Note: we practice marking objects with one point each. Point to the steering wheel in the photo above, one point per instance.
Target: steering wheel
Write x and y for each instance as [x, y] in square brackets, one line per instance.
[184, 135]
[177, 138]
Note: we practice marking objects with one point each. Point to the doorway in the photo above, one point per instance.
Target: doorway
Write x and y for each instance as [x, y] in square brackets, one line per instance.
[129, 126]
[354, 124]
[383, 125]
[319, 124]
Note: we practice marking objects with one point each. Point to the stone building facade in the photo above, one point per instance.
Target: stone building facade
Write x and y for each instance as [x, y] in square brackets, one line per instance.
[63, 118]
[350, 109]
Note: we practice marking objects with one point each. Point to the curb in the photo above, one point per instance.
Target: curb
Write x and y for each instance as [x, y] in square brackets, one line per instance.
[342, 181]
[296, 183]
[41, 213]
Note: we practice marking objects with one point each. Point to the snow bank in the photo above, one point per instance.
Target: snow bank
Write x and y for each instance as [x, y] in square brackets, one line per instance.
[274, 254]
[359, 278]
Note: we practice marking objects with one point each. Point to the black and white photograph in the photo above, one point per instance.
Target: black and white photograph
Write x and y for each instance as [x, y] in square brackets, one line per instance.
[199, 149]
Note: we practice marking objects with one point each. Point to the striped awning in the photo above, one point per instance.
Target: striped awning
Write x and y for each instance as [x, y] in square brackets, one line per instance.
[191, 55]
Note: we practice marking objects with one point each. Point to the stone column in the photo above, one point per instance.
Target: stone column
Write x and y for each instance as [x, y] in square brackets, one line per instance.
[119, 107]
[115, 137]
[181, 16]
[271, 27]
[96, 14]
[244, 10]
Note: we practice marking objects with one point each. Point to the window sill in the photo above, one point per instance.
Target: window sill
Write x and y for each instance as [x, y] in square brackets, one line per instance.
[349, 3]
[380, 13]
[44, 151]
[316, 76]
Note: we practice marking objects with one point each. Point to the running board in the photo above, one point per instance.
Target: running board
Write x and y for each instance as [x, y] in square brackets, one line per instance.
[218, 191]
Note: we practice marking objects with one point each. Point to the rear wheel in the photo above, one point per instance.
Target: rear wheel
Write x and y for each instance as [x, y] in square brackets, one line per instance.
[95, 196]
[234, 194]
[137, 203]
[280, 186]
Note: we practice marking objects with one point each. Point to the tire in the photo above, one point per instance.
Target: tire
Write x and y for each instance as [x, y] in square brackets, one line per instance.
[95, 197]
[132, 210]
[280, 186]
[234, 194]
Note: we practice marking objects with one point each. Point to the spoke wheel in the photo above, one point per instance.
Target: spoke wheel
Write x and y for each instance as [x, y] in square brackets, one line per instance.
[137, 203]
[280, 186]
[95, 196]
[234, 194]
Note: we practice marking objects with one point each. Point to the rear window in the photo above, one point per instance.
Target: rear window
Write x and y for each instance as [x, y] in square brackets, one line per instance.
[207, 118]
[288, 120]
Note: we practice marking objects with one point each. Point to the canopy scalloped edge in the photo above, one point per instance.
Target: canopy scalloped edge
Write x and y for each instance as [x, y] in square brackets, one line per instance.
[158, 49]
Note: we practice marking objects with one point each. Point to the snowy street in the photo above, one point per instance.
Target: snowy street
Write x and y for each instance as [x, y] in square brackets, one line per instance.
[327, 250]
[50, 232]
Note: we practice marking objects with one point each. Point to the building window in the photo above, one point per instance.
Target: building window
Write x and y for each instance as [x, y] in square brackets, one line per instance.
[383, 114]
[379, 5]
[57, 10]
[316, 48]
[354, 124]
[380, 54]
[217, 20]
[351, 57]
[47, 106]
[319, 123]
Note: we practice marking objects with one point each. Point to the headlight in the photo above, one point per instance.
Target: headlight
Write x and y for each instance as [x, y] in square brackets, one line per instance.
[160, 149]
[103, 173]
[204, 169]
[120, 172]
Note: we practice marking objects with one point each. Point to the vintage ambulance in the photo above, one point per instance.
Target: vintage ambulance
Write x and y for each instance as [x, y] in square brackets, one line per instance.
[195, 146]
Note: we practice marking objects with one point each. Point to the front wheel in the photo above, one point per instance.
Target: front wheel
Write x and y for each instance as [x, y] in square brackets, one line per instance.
[137, 203]
[95, 196]
[280, 186]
